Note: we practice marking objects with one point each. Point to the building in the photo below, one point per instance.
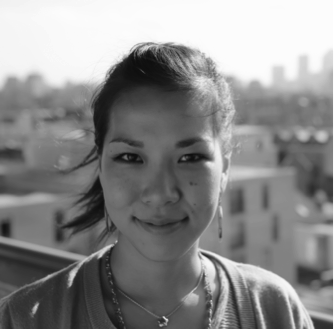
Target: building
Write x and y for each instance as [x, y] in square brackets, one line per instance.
[303, 70]
[320, 83]
[255, 147]
[310, 151]
[259, 219]
[37, 217]
[313, 239]
[12, 84]
[278, 78]
[35, 85]
[327, 62]
[314, 246]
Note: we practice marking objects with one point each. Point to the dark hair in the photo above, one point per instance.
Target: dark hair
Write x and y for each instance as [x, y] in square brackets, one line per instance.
[168, 66]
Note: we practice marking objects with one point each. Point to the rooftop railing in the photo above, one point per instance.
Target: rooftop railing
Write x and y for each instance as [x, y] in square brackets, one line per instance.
[22, 263]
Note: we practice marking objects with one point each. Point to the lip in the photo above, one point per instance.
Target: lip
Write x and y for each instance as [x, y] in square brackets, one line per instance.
[162, 227]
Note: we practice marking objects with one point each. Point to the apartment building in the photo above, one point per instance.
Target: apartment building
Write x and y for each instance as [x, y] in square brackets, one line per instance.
[37, 217]
[310, 151]
[259, 219]
[314, 246]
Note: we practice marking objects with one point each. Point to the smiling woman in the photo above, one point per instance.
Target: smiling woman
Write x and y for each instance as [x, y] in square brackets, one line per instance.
[163, 122]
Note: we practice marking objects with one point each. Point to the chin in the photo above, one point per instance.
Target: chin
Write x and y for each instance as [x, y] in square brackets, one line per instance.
[163, 253]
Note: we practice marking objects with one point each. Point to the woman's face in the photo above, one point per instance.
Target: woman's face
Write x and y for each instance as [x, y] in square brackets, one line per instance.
[161, 171]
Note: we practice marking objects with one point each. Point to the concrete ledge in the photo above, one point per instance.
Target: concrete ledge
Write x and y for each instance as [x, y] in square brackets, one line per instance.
[22, 263]
[6, 289]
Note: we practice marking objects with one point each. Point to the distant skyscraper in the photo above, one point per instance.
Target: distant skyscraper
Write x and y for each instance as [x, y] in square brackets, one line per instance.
[278, 77]
[36, 85]
[303, 73]
[327, 63]
[327, 74]
[12, 84]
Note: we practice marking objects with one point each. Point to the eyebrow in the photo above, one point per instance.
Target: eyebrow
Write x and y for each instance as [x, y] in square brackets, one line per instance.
[181, 144]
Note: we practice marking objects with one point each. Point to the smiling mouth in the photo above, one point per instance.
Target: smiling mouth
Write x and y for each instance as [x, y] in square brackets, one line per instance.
[162, 229]
[162, 223]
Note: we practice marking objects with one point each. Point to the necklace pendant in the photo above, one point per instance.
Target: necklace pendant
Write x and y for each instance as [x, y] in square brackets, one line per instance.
[163, 322]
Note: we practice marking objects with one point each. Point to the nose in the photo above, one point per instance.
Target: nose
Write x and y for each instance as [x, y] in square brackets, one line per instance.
[160, 187]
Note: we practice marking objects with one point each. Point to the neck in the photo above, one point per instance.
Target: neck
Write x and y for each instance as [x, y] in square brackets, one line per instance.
[141, 277]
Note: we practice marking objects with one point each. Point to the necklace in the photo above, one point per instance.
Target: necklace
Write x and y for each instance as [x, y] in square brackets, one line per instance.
[162, 320]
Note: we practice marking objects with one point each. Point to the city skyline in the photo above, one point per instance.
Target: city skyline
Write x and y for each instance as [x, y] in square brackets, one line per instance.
[275, 72]
[78, 41]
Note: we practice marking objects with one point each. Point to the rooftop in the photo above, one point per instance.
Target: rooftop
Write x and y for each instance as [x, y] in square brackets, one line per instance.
[251, 130]
[304, 135]
[13, 200]
[323, 229]
[238, 173]
[308, 211]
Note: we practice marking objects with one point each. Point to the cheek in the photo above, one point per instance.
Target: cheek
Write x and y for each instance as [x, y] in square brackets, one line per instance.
[119, 190]
[203, 192]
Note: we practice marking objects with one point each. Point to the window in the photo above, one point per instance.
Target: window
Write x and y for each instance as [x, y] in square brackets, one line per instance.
[238, 239]
[275, 228]
[236, 201]
[268, 257]
[5, 228]
[265, 197]
[58, 221]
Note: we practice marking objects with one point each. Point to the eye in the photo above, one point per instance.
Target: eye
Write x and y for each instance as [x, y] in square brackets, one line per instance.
[128, 158]
[192, 158]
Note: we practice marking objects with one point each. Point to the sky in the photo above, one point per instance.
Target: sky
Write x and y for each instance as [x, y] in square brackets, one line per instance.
[78, 40]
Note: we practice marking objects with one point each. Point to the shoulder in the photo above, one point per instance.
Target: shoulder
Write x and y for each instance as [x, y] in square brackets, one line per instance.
[264, 281]
[255, 277]
[274, 298]
[58, 280]
[274, 301]
[46, 301]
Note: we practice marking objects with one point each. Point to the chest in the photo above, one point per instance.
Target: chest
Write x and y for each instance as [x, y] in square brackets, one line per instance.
[193, 314]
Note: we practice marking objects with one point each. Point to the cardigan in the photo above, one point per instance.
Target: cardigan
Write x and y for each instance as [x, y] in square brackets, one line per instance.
[72, 298]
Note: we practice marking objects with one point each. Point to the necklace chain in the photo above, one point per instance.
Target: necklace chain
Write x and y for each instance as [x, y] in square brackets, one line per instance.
[175, 309]
[162, 320]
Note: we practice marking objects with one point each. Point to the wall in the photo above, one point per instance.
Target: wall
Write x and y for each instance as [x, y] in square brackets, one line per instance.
[314, 246]
[258, 245]
[32, 219]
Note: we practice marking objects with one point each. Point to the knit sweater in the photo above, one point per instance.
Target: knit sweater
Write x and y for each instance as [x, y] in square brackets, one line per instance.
[250, 298]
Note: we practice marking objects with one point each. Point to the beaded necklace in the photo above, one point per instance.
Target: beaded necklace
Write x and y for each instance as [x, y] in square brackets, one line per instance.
[162, 320]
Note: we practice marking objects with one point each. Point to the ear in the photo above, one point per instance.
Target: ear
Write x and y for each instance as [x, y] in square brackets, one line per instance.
[226, 170]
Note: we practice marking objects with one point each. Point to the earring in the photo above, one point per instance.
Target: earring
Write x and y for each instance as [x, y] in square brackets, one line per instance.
[220, 222]
[107, 218]
[220, 217]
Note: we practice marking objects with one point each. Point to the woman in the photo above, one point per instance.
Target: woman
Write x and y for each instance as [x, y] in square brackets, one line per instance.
[163, 122]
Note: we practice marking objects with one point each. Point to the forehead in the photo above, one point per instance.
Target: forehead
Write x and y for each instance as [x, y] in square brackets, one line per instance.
[146, 111]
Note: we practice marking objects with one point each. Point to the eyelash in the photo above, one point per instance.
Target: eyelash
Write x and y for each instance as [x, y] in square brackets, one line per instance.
[120, 159]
